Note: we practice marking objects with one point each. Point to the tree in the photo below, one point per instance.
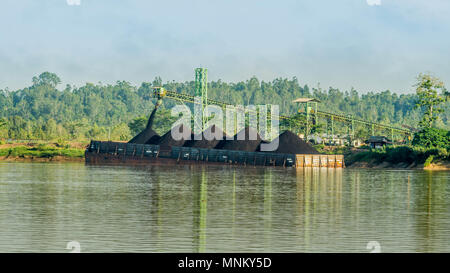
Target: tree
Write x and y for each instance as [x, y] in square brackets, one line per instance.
[3, 128]
[47, 78]
[295, 123]
[76, 128]
[432, 137]
[157, 81]
[138, 124]
[2, 122]
[120, 132]
[97, 132]
[431, 94]
[50, 129]
[18, 128]
[104, 105]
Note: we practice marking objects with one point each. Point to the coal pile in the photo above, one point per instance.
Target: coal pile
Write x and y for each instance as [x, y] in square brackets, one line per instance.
[147, 134]
[144, 137]
[167, 140]
[154, 140]
[242, 142]
[209, 133]
[290, 143]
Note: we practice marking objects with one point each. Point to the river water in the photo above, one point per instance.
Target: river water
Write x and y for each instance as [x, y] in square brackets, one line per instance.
[44, 206]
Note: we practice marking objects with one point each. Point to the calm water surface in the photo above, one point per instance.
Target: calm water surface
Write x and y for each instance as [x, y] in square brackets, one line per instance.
[221, 209]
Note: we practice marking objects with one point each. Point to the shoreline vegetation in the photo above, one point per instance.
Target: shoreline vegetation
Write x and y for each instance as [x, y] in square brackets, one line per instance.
[400, 157]
[119, 111]
[392, 157]
[42, 151]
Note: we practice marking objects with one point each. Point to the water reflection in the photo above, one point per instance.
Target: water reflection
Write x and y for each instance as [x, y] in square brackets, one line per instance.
[267, 209]
[221, 209]
[200, 210]
[431, 208]
[319, 192]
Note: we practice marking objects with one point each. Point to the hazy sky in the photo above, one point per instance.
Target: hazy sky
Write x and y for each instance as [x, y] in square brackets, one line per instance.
[371, 45]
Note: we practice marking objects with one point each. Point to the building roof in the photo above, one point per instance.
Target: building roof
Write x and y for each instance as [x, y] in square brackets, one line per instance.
[302, 100]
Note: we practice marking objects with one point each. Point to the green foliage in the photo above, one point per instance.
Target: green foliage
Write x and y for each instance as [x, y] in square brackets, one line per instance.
[121, 132]
[3, 128]
[431, 93]
[163, 121]
[3, 122]
[41, 151]
[428, 161]
[319, 147]
[341, 150]
[97, 132]
[76, 128]
[400, 154]
[432, 137]
[100, 111]
[47, 78]
[138, 124]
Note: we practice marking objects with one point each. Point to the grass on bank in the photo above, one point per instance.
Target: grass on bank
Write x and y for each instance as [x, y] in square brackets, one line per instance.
[400, 154]
[390, 154]
[41, 151]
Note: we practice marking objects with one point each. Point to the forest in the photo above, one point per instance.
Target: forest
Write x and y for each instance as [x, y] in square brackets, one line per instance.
[45, 110]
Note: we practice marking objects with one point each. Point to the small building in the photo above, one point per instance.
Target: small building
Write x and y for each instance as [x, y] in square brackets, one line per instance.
[378, 142]
[357, 142]
[305, 100]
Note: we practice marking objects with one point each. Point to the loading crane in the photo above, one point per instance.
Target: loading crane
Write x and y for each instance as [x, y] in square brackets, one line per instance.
[312, 113]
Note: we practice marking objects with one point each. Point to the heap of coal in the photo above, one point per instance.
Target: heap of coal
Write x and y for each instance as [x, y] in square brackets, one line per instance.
[290, 143]
[154, 139]
[167, 140]
[242, 141]
[210, 134]
[147, 135]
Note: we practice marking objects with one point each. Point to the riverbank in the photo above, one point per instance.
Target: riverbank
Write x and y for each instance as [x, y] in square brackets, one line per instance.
[441, 165]
[400, 157]
[42, 151]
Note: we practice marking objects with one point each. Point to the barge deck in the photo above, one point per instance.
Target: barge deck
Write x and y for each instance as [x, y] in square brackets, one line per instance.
[107, 152]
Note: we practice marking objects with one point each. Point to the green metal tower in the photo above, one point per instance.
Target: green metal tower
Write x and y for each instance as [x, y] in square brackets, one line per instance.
[201, 90]
[310, 111]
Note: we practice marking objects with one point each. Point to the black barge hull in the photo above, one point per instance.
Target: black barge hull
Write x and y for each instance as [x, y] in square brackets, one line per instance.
[107, 152]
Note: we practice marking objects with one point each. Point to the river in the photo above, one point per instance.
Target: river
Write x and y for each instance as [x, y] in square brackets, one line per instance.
[43, 206]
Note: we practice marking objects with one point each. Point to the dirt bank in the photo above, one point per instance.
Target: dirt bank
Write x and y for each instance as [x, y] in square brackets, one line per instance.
[42, 152]
[41, 159]
[401, 165]
[444, 166]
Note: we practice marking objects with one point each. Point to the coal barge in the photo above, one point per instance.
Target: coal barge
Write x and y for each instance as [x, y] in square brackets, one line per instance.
[148, 148]
[107, 152]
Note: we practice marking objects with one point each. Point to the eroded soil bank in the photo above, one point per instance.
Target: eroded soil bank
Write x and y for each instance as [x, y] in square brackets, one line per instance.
[402, 165]
[41, 159]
